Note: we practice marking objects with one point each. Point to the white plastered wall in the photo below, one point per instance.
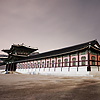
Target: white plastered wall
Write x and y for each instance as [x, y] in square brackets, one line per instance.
[60, 71]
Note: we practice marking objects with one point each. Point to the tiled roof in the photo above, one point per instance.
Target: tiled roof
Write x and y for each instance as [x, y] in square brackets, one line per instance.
[62, 51]
[58, 52]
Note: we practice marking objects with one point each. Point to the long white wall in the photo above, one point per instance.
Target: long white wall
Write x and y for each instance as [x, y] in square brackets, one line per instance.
[65, 71]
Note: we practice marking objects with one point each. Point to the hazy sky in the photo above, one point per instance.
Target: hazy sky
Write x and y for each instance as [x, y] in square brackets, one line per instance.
[48, 24]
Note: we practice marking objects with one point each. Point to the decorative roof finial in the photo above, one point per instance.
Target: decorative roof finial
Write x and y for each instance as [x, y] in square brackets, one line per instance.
[89, 44]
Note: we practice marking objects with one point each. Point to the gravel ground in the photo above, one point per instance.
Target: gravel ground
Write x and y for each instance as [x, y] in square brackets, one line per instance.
[39, 87]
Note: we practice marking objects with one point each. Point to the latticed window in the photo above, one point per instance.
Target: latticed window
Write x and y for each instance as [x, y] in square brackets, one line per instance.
[42, 64]
[74, 61]
[52, 63]
[65, 61]
[34, 64]
[83, 60]
[59, 61]
[47, 63]
[93, 60]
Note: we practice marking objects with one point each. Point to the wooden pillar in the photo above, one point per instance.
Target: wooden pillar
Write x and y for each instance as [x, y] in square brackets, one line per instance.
[97, 62]
[45, 64]
[19, 66]
[13, 67]
[10, 66]
[30, 66]
[98, 68]
[37, 64]
[78, 61]
[50, 64]
[88, 69]
[40, 63]
[55, 63]
[33, 65]
[62, 63]
[27, 66]
[23, 66]
[7, 66]
[69, 62]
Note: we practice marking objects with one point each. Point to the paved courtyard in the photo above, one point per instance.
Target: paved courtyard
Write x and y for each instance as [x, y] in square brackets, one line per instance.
[39, 87]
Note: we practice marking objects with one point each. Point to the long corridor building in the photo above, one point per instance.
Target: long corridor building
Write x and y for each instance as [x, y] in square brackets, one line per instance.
[78, 59]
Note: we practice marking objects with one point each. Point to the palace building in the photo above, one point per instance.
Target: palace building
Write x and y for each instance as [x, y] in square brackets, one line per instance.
[77, 60]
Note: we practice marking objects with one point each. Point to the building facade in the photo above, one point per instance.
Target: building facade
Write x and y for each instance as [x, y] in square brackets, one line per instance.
[77, 60]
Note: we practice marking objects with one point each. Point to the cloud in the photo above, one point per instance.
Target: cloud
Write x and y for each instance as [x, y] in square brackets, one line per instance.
[49, 24]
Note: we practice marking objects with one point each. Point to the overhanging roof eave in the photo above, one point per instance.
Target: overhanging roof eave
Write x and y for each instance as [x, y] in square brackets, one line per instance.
[55, 55]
